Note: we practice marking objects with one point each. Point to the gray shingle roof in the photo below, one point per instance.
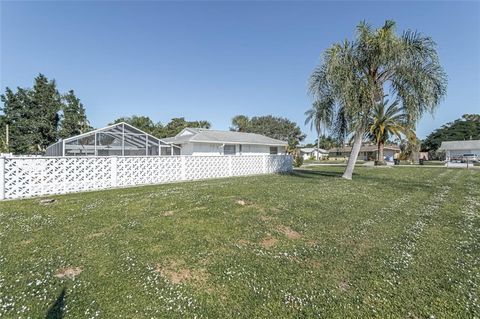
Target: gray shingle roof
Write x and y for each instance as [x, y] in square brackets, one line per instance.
[225, 137]
[460, 145]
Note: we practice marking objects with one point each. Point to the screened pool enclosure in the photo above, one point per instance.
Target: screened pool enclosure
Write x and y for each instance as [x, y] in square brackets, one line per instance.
[119, 139]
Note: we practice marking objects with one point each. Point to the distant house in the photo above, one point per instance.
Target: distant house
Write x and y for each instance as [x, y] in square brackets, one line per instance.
[200, 141]
[307, 152]
[367, 152]
[456, 149]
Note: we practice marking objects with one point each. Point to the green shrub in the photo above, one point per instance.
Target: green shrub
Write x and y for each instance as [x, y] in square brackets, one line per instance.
[298, 161]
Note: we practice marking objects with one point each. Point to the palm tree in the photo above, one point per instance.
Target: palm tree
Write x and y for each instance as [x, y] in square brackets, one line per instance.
[320, 116]
[240, 123]
[354, 74]
[385, 121]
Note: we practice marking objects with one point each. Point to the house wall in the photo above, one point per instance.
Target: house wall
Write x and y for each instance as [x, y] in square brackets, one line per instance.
[458, 153]
[204, 149]
[364, 156]
[314, 154]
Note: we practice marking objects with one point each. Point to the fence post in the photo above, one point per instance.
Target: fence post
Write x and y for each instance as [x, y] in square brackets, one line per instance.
[113, 170]
[2, 178]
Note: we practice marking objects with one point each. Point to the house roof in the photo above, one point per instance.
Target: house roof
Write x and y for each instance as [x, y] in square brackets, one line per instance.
[201, 135]
[312, 149]
[364, 148]
[460, 145]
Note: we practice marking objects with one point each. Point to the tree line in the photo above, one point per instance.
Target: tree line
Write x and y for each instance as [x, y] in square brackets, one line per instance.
[34, 118]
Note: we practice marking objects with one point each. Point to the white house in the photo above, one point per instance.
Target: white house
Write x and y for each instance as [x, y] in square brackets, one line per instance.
[456, 149]
[200, 141]
[308, 152]
[367, 152]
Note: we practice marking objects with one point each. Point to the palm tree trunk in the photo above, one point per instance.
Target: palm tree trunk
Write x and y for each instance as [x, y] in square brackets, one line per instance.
[380, 159]
[318, 146]
[357, 144]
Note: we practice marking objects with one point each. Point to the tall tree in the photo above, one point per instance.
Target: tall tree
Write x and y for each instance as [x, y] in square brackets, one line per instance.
[354, 74]
[319, 116]
[176, 125]
[19, 116]
[386, 121]
[240, 123]
[33, 116]
[46, 104]
[74, 120]
[141, 122]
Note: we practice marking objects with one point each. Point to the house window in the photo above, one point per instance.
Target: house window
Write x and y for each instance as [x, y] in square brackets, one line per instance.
[240, 149]
[273, 150]
[229, 150]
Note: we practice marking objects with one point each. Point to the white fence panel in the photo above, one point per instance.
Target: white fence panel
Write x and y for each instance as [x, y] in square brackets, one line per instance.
[26, 177]
[22, 177]
[248, 165]
[201, 167]
[141, 170]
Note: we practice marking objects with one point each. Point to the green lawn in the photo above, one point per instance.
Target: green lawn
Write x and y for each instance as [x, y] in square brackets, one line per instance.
[394, 242]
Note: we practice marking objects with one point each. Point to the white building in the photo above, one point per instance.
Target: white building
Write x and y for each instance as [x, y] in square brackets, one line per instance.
[456, 149]
[200, 141]
[308, 152]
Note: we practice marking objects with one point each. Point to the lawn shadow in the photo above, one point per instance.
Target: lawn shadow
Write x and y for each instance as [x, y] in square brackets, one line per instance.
[306, 173]
[56, 309]
[397, 183]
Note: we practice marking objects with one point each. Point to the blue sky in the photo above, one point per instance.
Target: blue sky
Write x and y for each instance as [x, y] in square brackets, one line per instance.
[213, 60]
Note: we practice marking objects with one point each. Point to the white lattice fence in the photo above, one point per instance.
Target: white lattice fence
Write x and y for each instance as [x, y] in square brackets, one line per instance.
[27, 177]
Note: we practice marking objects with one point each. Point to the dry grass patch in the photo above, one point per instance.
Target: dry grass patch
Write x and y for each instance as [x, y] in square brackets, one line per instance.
[343, 286]
[177, 273]
[68, 272]
[287, 231]
[167, 213]
[269, 242]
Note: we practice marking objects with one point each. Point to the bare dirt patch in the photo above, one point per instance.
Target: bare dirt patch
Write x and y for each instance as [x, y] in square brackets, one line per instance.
[47, 201]
[176, 273]
[290, 233]
[68, 272]
[343, 286]
[269, 242]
